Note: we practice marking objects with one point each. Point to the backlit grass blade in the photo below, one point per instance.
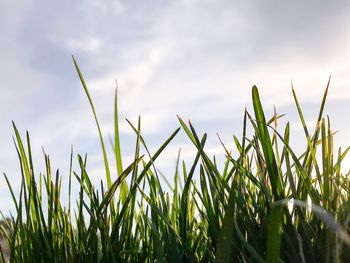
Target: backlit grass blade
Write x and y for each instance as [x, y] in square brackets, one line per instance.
[213, 172]
[305, 178]
[26, 168]
[289, 172]
[301, 115]
[143, 173]
[111, 191]
[183, 212]
[325, 164]
[105, 159]
[275, 217]
[117, 151]
[266, 144]
[23, 155]
[12, 193]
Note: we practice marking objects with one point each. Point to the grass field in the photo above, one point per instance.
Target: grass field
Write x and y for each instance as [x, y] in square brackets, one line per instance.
[265, 204]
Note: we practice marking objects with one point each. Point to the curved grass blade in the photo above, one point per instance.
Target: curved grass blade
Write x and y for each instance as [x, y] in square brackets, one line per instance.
[105, 159]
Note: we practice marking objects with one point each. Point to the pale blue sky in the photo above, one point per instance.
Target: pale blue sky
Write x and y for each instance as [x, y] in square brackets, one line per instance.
[194, 58]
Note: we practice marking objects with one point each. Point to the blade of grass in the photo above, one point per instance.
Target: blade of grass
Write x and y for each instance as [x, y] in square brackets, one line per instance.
[105, 159]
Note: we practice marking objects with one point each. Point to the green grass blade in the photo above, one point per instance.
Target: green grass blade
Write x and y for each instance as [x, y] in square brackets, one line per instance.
[266, 144]
[274, 235]
[224, 243]
[117, 151]
[105, 159]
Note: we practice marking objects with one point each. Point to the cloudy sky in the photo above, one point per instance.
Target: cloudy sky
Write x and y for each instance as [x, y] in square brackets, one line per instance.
[197, 59]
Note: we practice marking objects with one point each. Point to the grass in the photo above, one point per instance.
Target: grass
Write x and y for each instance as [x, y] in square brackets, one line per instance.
[266, 204]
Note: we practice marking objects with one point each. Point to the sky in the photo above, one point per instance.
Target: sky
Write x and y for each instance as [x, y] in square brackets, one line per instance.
[196, 59]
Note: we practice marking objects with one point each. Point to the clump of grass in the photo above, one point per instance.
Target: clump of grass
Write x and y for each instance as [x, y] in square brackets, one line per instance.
[266, 204]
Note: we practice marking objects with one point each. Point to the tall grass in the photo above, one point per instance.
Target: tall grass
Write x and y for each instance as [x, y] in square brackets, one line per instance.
[266, 204]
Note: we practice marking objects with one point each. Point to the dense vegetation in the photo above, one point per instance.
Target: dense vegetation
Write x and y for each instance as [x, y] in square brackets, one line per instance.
[266, 204]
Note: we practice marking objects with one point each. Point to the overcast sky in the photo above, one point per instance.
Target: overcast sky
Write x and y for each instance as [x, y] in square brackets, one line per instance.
[198, 59]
